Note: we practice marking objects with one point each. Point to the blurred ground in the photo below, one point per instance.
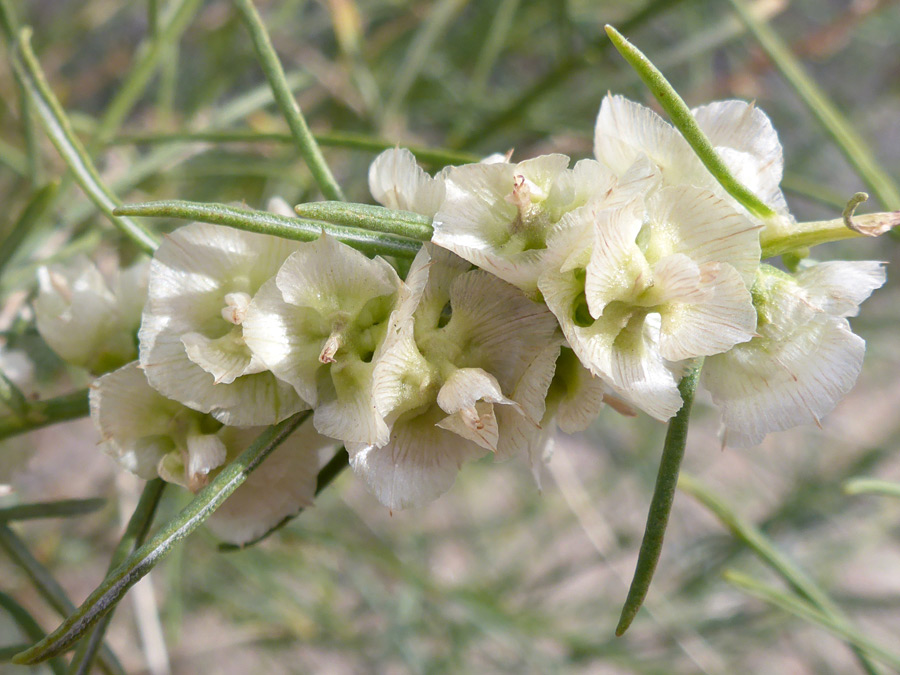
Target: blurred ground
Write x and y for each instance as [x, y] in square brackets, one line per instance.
[495, 576]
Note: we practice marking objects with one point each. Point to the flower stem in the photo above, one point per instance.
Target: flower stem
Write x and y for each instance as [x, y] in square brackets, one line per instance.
[48, 587]
[684, 121]
[29, 627]
[271, 66]
[58, 129]
[139, 563]
[299, 229]
[135, 533]
[661, 504]
[369, 217]
[746, 532]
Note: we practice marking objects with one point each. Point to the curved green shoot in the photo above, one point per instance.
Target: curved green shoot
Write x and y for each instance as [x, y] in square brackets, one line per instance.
[299, 229]
[661, 504]
[684, 121]
[139, 563]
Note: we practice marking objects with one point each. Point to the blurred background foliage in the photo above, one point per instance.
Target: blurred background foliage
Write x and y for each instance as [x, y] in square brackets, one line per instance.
[496, 576]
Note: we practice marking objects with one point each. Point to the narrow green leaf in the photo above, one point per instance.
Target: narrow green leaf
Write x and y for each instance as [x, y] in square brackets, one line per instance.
[271, 66]
[139, 563]
[778, 240]
[872, 486]
[661, 504]
[854, 147]
[329, 472]
[48, 588]
[47, 412]
[807, 612]
[35, 209]
[31, 629]
[369, 217]
[135, 533]
[63, 508]
[299, 229]
[684, 121]
[178, 16]
[746, 532]
[58, 129]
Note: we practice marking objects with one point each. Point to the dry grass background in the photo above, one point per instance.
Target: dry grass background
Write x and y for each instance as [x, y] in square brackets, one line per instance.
[495, 576]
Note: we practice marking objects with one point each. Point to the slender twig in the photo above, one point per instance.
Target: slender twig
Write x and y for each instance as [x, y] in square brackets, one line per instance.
[139, 563]
[48, 588]
[872, 486]
[684, 121]
[370, 243]
[59, 130]
[369, 217]
[271, 66]
[135, 533]
[661, 504]
[29, 626]
[765, 549]
[862, 645]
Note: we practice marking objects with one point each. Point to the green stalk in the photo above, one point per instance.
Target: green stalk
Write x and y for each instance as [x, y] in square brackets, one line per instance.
[63, 508]
[12, 396]
[47, 412]
[746, 532]
[851, 144]
[661, 504]
[139, 563]
[59, 130]
[48, 588]
[149, 55]
[370, 243]
[135, 533]
[369, 217]
[804, 610]
[271, 66]
[777, 240]
[872, 486]
[684, 121]
[29, 627]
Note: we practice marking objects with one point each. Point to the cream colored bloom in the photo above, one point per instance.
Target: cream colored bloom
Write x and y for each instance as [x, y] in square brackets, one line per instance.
[90, 321]
[152, 436]
[743, 136]
[498, 216]
[464, 370]
[318, 325]
[637, 291]
[202, 280]
[805, 359]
